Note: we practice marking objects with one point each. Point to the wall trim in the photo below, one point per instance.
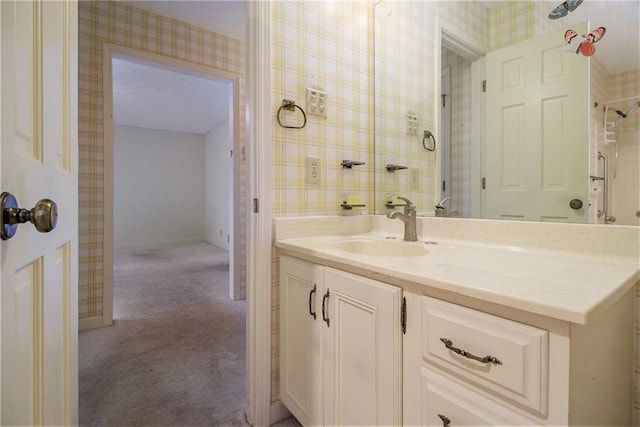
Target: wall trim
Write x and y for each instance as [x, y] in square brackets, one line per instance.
[91, 323]
[258, 372]
[155, 243]
[109, 52]
[278, 412]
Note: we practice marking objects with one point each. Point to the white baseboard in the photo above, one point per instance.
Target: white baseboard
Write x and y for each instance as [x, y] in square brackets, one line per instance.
[278, 412]
[91, 323]
[136, 245]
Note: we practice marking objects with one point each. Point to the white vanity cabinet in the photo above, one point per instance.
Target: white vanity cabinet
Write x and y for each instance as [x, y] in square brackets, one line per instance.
[489, 365]
[340, 346]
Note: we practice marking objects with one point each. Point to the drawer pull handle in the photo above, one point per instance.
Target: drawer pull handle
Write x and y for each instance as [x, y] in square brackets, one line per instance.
[313, 291]
[325, 300]
[486, 359]
[445, 421]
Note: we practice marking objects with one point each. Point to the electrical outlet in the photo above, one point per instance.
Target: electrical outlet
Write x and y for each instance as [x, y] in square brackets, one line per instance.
[313, 170]
[415, 178]
[316, 102]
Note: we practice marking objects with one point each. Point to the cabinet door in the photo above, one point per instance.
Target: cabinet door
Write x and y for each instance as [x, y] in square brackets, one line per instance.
[446, 403]
[362, 351]
[300, 339]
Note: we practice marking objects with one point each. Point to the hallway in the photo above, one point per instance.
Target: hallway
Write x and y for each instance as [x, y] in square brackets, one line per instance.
[175, 354]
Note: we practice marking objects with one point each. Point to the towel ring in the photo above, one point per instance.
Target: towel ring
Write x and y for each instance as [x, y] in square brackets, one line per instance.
[290, 105]
[428, 134]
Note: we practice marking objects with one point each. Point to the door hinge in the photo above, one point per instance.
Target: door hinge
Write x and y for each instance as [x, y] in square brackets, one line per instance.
[256, 208]
[444, 186]
[403, 315]
[484, 85]
[231, 154]
[483, 183]
[228, 240]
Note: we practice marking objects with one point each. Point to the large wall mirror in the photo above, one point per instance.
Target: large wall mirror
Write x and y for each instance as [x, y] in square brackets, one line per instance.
[483, 110]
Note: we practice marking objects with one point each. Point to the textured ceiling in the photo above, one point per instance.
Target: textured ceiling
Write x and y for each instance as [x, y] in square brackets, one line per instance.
[155, 98]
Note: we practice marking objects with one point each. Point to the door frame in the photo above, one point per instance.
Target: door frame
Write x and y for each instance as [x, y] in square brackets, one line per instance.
[445, 133]
[261, 411]
[461, 43]
[111, 51]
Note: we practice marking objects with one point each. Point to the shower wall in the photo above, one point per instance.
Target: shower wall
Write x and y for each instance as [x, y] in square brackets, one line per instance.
[624, 188]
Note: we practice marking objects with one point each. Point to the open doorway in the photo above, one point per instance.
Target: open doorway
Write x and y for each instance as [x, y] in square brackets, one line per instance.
[182, 111]
[173, 190]
[172, 145]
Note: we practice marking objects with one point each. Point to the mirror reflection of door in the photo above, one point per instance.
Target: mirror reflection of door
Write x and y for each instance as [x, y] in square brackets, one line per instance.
[457, 138]
[535, 132]
[445, 133]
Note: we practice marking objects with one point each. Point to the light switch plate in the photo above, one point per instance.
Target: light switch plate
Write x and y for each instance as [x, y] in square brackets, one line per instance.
[412, 123]
[316, 102]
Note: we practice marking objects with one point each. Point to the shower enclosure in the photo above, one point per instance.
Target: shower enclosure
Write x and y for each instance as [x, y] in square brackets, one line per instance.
[618, 190]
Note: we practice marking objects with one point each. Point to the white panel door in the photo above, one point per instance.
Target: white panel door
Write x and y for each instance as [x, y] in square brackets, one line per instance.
[537, 131]
[362, 351]
[38, 307]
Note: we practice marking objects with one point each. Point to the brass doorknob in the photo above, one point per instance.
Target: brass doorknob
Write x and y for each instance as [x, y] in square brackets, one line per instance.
[44, 215]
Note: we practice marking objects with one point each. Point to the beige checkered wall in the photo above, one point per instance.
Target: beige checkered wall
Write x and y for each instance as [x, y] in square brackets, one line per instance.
[117, 23]
[324, 46]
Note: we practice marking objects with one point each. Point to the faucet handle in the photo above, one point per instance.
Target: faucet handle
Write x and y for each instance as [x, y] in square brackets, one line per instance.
[407, 201]
[409, 207]
[440, 204]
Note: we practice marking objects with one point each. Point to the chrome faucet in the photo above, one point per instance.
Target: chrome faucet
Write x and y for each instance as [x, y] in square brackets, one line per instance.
[442, 211]
[408, 218]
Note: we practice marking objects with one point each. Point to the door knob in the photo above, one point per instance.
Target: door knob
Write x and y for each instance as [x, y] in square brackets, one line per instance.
[575, 204]
[44, 215]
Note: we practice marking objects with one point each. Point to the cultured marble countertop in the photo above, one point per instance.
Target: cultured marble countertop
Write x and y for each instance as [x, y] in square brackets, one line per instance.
[560, 285]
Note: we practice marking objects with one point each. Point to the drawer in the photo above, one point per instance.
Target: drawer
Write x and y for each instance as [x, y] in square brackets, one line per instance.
[446, 403]
[453, 335]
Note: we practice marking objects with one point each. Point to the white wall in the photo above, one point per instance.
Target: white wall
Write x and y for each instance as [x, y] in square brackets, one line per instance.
[159, 186]
[219, 144]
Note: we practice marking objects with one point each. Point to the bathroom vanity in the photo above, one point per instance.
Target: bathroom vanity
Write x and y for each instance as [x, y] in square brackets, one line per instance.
[443, 331]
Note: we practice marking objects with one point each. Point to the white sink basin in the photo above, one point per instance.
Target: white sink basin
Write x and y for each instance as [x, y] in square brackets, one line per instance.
[382, 248]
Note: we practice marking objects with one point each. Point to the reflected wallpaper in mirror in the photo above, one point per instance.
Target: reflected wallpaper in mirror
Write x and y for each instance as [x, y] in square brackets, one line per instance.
[430, 62]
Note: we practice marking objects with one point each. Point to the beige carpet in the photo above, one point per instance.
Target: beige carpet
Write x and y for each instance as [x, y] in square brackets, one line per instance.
[175, 355]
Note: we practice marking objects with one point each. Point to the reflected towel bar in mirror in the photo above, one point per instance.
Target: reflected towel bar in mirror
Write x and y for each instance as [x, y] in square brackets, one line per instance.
[393, 168]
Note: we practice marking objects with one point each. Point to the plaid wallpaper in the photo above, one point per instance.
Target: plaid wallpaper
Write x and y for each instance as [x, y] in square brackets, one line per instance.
[123, 25]
[324, 46]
